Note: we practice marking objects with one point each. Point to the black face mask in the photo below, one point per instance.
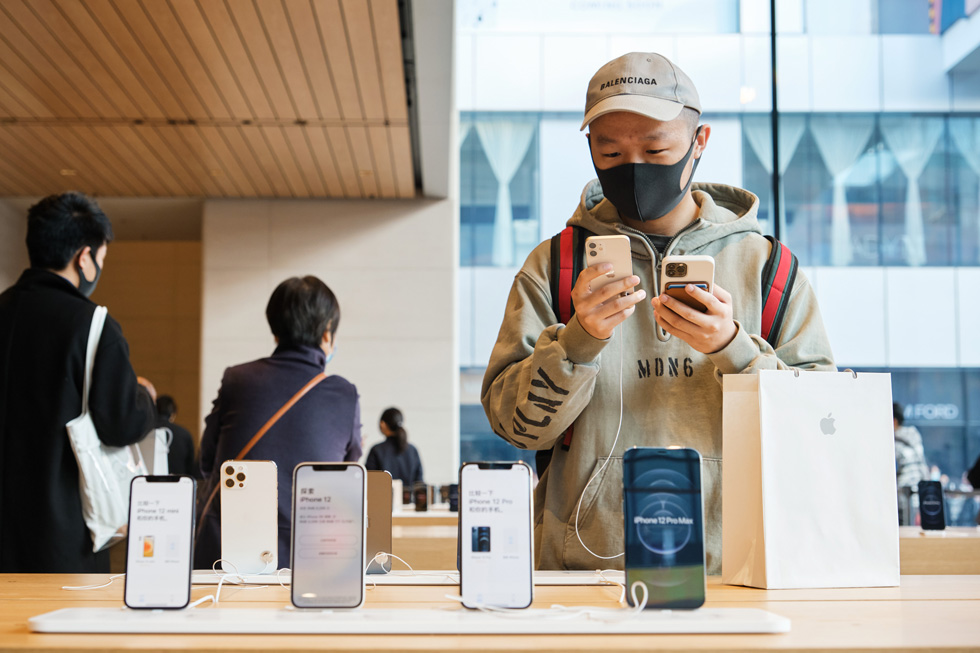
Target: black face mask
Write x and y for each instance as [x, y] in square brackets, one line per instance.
[647, 191]
[85, 286]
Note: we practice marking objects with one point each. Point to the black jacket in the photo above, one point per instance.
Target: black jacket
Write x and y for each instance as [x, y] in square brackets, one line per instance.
[44, 325]
[406, 465]
[181, 459]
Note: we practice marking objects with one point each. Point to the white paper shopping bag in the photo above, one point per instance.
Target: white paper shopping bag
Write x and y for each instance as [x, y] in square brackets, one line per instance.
[808, 488]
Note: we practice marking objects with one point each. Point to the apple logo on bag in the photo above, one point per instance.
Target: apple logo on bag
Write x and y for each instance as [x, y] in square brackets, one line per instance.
[827, 425]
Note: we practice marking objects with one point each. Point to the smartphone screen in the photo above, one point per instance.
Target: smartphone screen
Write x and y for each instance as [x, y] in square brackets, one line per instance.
[328, 535]
[663, 518]
[161, 542]
[497, 562]
[932, 513]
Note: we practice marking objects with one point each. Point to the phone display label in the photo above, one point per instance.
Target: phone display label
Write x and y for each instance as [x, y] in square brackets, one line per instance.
[159, 550]
[664, 525]
[328, 535]
[495, 535]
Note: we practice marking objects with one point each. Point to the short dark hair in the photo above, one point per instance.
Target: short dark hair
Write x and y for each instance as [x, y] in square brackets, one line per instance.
[300, 311]
[898, 413]
[60, 225]
[692, 118]
[166, 406]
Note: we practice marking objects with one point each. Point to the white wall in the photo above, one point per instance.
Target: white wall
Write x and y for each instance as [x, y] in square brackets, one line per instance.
[392, 266]
[13, 250]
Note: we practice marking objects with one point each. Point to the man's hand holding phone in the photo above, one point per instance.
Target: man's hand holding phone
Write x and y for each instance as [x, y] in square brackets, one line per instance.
[601, 311]
[706, 332]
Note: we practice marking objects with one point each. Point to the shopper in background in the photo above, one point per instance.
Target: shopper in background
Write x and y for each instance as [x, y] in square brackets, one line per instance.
[180, 458]
[395, 455]
[910, 457]
[324, 425]
[44, 325]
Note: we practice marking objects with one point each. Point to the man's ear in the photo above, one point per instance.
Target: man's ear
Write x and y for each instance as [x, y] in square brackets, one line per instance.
[701, 138]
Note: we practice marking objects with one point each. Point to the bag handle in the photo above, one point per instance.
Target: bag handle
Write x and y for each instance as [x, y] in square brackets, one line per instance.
[312, 383]
[94, 335]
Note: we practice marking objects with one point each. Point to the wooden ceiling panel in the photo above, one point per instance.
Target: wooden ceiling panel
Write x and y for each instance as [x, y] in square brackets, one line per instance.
[357, 17]
[224, 161]
[234, 51]
[363, 161]
[161, 56]
[401, 155]
[325, 160]
[381, 152]
[209, 52]
[305, 160]
[335, 42]
[213, 98]
[269, 145]
[56, 36]
[313, 58]
[189, 147]
[104, 46]
[340, 145]
[274, 51]
[14, 67]
[387, 39]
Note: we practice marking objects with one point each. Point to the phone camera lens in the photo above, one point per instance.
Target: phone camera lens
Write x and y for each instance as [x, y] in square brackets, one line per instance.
[681, 269]
[240, 476]
[591, 245]
[229, 470]
[230, 483]
[593, 254]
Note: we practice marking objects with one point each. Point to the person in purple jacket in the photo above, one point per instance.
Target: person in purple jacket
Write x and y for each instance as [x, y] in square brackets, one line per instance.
[323, 426]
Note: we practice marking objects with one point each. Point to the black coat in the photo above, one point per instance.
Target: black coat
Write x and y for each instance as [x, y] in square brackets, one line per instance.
[44, 326]
[406, 465]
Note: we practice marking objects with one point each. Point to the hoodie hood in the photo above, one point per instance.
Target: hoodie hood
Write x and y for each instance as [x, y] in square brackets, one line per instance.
[724, 211]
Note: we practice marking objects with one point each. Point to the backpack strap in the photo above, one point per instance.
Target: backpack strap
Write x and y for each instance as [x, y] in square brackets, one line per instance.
[567, 254]
[778, 277]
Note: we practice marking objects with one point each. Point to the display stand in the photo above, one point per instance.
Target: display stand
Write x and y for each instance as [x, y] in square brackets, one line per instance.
[406, 577]
[450, 621]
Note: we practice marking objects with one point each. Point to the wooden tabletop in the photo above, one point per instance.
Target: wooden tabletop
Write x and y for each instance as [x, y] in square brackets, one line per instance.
[925, 613]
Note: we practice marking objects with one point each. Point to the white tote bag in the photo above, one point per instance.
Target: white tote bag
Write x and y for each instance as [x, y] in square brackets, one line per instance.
[808, 489]
[155, 448]
[104, 472]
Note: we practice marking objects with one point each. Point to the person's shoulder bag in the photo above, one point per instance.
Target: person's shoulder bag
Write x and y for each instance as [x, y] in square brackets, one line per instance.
[104, 472]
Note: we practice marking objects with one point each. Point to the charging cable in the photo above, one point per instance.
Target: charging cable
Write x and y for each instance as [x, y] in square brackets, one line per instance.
[93, 587]
[558, 612]
[619, 428]
[382, 557]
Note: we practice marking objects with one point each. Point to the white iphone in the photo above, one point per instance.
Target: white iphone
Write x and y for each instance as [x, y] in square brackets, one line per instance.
[495, 535]
[249, 516]
[328, 535]
[678, 271]
[161, 542]
[609, 249]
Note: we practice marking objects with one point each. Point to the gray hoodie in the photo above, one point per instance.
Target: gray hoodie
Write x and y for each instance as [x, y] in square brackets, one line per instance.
[544, 375]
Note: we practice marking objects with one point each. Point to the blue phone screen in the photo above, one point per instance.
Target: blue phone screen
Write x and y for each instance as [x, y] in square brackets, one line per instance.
[664, 525]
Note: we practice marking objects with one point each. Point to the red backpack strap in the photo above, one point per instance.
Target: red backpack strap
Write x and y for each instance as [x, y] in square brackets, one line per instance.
[778, 277]
[567, 254]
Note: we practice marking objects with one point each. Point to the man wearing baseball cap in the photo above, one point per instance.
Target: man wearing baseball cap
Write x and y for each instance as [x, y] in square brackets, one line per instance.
[643, 116]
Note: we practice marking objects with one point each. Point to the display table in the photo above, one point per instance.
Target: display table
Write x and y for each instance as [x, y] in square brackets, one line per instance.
[951, 551]
[437, 515]
[925, 613]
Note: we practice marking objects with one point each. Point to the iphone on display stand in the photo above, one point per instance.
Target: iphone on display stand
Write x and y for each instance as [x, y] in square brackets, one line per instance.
[378, 521]
[678, 271]
[160, 547]
[609, 249]
[932, 506]
[495, 537]
[328, 535]
[663, 519]
[249, 516]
